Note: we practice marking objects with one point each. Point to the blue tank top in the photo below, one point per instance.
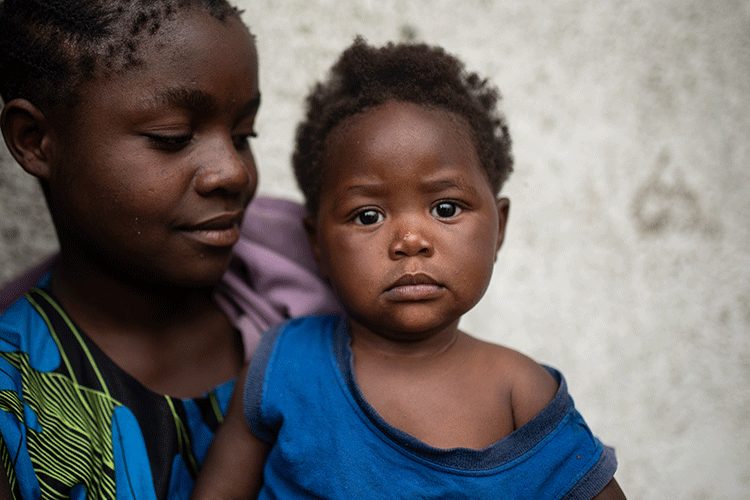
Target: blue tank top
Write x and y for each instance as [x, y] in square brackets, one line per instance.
[327, 441]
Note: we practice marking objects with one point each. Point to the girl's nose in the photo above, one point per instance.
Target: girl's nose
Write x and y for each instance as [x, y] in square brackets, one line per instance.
[411, 243]
[226, 170]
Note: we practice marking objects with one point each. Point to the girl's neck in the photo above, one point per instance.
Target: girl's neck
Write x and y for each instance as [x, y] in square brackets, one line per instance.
[103, 301]
[160, 335]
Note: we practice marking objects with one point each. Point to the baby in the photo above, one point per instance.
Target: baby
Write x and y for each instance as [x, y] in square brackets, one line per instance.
[401, 159]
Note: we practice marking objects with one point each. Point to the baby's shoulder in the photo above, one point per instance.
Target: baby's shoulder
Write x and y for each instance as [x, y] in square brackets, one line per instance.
[530, 386]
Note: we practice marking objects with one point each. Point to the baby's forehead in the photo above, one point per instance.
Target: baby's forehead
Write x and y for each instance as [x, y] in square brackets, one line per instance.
[399, 121]
[400, 127]
[383, 141]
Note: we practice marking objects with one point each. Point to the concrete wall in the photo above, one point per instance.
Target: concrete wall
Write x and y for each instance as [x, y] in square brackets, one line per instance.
[627, 262]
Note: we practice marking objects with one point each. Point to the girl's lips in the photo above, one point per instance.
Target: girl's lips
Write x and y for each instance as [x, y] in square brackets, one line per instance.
[222, 230]
[225, 237]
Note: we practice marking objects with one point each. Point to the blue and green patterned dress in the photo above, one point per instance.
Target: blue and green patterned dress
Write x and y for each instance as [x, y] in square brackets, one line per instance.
[74, 425]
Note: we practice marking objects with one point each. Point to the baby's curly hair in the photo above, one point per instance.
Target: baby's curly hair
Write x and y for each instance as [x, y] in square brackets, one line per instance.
[49, 47]
[365, 76]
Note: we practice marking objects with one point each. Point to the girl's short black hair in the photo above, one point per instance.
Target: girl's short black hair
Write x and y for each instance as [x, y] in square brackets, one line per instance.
[365, 76]
[49, 47]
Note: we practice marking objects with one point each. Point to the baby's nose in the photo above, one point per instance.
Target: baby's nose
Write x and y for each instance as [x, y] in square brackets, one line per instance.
[410, 243]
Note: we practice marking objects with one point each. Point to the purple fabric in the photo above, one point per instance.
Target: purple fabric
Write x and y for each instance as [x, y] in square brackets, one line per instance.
[272, 276]
[15, 289]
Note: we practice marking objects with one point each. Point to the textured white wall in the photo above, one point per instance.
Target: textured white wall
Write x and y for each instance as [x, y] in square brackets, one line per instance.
[626, 263]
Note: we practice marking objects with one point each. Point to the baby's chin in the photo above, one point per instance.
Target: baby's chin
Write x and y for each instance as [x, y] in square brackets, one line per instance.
[412, 329]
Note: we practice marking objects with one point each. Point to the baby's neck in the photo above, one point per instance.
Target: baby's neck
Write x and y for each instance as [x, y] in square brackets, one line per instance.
[393, 346]
[445, 390]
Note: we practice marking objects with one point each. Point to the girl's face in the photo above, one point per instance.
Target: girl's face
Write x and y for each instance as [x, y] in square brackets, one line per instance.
[408, 227]
[153, 169]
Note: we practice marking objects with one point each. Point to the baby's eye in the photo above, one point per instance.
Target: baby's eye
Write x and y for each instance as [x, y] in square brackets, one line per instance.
[368, 217]
[445, 210]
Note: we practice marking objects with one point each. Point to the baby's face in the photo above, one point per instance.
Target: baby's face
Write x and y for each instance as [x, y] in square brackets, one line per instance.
[154, 168]
[408, 226]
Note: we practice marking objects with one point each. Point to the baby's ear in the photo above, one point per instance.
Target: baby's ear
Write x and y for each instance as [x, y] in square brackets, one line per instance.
[503, 210]
[27, 134]
[311, 228]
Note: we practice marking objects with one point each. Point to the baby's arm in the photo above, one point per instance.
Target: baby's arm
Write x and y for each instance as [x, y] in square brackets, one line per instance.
[532, 389]
[234, 465]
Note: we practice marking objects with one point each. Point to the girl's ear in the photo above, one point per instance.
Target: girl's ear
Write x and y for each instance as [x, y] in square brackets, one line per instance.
[503, 209]
[27, 134]
[311, 228]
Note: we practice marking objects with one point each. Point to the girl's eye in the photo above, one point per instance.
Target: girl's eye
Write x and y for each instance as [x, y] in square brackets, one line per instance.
[368, 217]
[445, 210]
[242, 141]
[170, 142]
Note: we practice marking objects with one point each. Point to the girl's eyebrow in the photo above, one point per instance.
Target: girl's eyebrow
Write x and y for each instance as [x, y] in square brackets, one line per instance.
[251, 107]
[182, 97]
[193, 100]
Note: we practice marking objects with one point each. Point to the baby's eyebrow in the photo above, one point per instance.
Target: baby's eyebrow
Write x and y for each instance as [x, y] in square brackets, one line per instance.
[366, 188]
[436, 186]
[378, 187]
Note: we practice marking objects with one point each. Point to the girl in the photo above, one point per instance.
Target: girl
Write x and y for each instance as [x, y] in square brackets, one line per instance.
[118, 366]
[401, 159]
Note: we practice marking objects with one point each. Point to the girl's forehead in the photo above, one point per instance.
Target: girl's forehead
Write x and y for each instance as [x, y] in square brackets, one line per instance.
[197, 63]
[138, 45]
[189, 51]
[57, 48]
[195, 33]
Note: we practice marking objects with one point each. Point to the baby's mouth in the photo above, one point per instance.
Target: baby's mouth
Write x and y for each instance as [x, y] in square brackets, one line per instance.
[414, 288]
